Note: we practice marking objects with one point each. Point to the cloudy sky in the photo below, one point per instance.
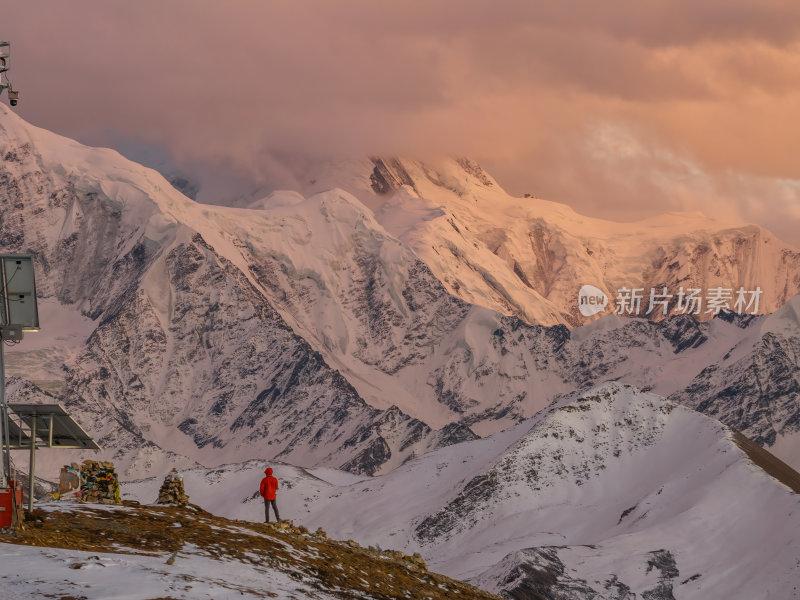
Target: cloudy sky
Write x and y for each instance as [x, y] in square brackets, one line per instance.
[620, 109]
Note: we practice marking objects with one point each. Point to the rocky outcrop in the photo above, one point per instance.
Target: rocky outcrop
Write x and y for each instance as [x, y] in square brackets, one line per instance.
[221, 367]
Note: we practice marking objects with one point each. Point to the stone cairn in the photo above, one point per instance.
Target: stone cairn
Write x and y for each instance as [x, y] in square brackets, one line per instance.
[99, 482]
[172, 491]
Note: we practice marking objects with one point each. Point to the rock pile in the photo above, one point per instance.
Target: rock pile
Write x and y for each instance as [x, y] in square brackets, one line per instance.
[415, 561]
[172, 491]
[99, 482]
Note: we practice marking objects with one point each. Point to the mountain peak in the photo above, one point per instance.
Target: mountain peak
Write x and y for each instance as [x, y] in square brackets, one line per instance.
[455, 174]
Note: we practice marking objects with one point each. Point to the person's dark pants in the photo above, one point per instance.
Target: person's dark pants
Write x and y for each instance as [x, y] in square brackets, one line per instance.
[274, 507]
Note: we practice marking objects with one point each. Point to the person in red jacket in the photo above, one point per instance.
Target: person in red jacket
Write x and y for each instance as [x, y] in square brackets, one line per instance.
[269, 488]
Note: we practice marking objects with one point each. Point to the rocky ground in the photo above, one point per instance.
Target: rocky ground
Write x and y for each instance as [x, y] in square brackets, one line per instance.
[169, 536]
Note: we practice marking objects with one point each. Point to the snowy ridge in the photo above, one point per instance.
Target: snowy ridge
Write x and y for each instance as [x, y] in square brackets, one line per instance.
[135, 552]
[607, 491]
[569, 444]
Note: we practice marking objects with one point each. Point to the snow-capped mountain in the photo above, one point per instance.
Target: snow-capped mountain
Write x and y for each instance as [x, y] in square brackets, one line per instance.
[743, 371]
[529, 257]
[302, 328]
[185, 353]
[612, 493]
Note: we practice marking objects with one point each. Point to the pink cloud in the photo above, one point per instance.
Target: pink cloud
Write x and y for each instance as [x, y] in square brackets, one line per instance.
[709, 90]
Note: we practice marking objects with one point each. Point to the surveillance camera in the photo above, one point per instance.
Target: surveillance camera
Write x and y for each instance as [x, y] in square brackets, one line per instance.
[14, 102]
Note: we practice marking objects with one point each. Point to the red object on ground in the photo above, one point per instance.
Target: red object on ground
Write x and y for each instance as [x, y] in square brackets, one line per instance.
[6, 507]
[269, 485]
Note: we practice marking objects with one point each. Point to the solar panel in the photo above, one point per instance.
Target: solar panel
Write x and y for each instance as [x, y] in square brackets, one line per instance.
[19, 288]
[40, 409]
[66, 433]
[17, 438]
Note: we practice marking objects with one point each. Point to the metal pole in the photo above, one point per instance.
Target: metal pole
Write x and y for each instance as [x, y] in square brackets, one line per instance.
[33, 462]
[3, 406]
[5, 463]
[6, 466]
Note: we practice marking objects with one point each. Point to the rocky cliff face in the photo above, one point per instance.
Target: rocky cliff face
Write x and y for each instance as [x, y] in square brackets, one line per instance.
[755, 385]
[741, 371]
[219, 376]
[89, 252]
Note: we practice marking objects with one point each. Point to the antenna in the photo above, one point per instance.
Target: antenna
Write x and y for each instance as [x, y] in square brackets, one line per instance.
[5, 82]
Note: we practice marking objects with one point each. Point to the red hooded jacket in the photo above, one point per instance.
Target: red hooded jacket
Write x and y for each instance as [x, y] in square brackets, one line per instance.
[269, 485]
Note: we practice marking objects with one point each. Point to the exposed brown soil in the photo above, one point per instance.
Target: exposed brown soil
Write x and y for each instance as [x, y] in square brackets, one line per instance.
[769, 462]
[342, 569]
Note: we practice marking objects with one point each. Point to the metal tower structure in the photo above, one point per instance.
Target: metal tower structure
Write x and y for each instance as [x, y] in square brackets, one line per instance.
[5, 65]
